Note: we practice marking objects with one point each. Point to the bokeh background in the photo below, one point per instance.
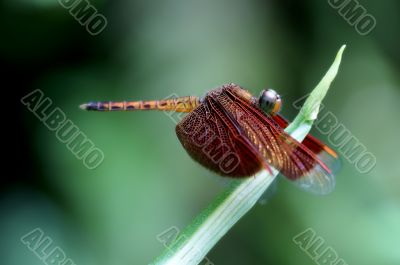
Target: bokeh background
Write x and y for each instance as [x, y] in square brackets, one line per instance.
[147, 183]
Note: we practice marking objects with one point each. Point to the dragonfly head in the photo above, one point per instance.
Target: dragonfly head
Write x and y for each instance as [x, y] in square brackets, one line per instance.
[270, 101]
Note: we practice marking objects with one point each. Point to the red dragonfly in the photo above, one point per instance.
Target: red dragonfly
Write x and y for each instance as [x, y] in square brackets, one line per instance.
[236, 135]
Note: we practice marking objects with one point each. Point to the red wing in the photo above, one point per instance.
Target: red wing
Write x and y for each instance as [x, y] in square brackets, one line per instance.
[217, 143]
[310, 141]
[324, 152]
[293, 159]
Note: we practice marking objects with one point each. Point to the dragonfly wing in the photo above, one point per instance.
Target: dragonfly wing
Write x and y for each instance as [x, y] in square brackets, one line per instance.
[324, 152]
[293, 159]
[217, 143]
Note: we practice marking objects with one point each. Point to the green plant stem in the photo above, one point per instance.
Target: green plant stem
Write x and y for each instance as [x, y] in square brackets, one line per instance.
[193, 244]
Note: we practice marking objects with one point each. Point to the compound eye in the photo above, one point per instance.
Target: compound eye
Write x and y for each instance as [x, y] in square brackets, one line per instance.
[269, 101]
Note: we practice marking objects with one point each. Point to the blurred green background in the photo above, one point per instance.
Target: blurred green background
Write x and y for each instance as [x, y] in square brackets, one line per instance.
[147, 183]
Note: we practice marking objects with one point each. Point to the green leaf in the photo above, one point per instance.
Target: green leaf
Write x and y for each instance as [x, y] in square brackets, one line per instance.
[213, 223]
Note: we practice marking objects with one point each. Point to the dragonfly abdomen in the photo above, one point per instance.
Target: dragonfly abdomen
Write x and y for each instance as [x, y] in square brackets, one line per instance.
[182, 104]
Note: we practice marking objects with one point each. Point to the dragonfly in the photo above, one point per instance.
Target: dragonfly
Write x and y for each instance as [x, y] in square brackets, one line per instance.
[234, 134]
